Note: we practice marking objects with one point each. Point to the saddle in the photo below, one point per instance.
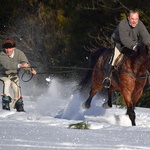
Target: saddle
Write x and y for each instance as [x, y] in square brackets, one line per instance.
[112, 73]
[119, 61]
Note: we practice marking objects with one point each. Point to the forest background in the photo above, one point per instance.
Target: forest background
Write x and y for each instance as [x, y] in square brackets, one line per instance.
[59, 35]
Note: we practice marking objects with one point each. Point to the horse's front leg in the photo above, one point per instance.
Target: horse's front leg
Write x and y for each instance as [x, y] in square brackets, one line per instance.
[131, 102]
[87, 103]
[131, 114]
[108, 104]
[130, 107]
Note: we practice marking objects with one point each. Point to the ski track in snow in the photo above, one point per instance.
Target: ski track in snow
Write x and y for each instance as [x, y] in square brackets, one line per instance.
[44, 125]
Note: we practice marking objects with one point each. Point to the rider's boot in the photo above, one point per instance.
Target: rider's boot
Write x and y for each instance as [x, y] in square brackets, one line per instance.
[107, 81]
[5, 102]
[19, 105]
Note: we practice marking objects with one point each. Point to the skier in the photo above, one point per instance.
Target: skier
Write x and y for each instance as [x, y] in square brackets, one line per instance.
[11, 61]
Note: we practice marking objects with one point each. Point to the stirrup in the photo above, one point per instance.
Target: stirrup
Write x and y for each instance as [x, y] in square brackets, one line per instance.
[106, 82]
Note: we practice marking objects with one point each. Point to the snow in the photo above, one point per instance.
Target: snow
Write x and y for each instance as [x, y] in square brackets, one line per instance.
[44, 125]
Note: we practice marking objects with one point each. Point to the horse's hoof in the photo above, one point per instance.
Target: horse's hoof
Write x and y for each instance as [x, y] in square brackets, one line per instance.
[106, 106]
[86, 106]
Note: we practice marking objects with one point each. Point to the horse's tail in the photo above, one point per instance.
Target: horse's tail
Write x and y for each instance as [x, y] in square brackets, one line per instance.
[86, 81]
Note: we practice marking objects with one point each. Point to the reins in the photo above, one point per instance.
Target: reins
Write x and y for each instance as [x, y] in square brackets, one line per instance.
[26, 80]
[58, 72]
[133, 75]
[72, 69]
[146, 74]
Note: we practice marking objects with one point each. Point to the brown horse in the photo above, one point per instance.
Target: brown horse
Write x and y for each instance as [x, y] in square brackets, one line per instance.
[129, 79]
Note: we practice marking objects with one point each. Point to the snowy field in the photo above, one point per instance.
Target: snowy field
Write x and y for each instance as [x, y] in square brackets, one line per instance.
[44, 125]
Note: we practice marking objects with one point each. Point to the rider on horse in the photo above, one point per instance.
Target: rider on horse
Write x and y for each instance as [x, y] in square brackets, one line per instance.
[130, 33]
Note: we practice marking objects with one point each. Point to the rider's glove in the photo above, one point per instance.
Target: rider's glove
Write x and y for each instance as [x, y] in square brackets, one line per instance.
[135, 47]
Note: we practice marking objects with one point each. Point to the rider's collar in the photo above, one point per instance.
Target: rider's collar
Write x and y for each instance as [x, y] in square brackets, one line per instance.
[12, 55]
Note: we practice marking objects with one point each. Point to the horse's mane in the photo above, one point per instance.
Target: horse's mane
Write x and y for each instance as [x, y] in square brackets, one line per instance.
[85, 82]
[142, 52]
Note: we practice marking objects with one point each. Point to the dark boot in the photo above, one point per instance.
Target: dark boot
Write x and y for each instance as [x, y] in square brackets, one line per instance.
[5, 102]
[19, 105]
[107, 81]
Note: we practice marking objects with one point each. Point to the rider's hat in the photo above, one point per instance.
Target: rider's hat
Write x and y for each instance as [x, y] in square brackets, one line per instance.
[8, 44]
